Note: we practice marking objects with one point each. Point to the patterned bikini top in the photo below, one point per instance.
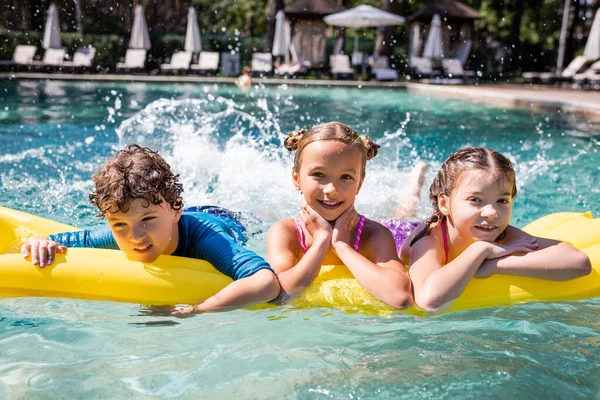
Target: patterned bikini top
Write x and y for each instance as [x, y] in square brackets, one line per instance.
[302, 238]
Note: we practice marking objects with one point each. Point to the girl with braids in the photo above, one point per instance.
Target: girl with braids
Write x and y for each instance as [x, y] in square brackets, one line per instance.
[329, 169]
[468, 234]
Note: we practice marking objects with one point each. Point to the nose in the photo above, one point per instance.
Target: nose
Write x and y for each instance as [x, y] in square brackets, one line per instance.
[329, 188]
[137, 232]
[489, 211]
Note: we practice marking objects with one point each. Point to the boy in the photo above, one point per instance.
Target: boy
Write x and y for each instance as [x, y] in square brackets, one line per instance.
[139, 196]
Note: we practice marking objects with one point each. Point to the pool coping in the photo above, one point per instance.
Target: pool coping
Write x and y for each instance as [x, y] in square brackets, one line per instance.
[509, 95]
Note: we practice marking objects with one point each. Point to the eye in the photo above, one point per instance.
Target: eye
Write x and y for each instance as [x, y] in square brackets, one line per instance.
[346, 176]
[474, 199]
[318, 175]
[148, 219]
[504, 201]
[119, 225]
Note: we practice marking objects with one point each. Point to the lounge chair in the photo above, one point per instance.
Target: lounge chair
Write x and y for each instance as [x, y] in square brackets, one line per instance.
[578, 64]
[208, 63]
[135, 60]
[262, 63]
[453, 69]
[230, 63]
[22, 56]
[53, 60]
[180, 62]
[83, 59]
[295, 67]
[340, 66]
[380, 69]
[590, 76]
[422, 67]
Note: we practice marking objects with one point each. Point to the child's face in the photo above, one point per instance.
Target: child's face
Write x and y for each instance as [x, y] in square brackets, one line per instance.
[329, 177]
[479, 207]
[145, 233]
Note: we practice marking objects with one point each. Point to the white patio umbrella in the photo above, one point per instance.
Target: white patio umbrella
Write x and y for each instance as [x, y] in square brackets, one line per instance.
[281, 41]
[434, 47]
[193, 44]
[592, 47]
[363, 17]
[51, 39]
[140, 38]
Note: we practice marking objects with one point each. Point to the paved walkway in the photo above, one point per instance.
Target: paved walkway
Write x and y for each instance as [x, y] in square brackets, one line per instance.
[584, 102]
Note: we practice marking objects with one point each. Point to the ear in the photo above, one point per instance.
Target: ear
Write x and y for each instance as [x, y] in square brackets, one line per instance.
[296, 180]
[177, 214]
[443, 203]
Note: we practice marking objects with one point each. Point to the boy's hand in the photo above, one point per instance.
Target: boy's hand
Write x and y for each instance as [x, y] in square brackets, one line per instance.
[189, 311]
[42, 250]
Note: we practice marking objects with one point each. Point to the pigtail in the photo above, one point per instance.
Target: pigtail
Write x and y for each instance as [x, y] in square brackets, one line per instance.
[371, 147]
[293, 139]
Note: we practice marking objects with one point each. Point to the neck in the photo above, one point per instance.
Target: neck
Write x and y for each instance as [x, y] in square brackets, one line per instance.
[456, 243]
[174, 241]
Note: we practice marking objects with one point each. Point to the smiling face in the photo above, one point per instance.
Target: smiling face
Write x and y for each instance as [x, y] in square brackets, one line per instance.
[145, 231]
[480, 206]
[330, 176]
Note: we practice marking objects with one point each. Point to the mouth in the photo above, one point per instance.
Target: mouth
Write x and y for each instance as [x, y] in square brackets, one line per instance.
[330, 205]
[486, 228]
[142, 249]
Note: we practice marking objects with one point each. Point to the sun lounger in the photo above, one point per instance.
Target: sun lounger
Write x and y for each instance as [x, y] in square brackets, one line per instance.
[53, 60]
[230, 64]
[422, 68]
[135, 60]
[208, 63]
[22, 56]
[380, 69]
[296, 67]
[577, 65]
[262, 63]
[83, 59]
[589, 76]
[340, 66]
[453, 69]
[180, 62]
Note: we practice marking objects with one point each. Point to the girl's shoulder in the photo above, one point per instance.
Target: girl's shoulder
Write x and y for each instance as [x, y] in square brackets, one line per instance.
[286, 226]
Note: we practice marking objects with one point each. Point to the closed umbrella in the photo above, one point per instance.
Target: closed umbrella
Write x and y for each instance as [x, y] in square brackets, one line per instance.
[363, 17]
[193, 44]
[592, 47]
[140, 38]
[434, 47]
[281, 41]
[51, 39]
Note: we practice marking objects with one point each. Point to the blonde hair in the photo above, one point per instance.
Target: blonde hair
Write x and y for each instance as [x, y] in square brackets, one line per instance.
[298, 140]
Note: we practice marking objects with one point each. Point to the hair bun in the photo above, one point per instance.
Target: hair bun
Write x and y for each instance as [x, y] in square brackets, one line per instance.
[370, 145]
[293, 138]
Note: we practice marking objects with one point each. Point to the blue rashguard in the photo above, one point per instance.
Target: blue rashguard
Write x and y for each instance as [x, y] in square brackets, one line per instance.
[201, 236]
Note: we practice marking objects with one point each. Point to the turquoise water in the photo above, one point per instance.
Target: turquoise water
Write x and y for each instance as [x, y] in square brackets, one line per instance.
[227, 147]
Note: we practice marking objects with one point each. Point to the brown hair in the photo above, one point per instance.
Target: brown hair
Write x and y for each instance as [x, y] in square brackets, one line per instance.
[298, 140]
[135, 173]
[466, 160]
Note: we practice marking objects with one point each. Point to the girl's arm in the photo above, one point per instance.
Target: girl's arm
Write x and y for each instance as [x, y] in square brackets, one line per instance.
[295, 274]
[436, 286]
[259, 287]
[383, 276]
[553, 260]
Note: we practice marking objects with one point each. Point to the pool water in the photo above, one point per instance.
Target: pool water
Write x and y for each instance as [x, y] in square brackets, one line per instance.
[227, 146]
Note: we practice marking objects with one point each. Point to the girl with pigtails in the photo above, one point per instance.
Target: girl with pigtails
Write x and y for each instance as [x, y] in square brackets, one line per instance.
[329, 170]
[468, 235]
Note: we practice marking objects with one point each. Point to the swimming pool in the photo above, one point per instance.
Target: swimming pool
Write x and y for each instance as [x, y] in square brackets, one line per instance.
[227, 147]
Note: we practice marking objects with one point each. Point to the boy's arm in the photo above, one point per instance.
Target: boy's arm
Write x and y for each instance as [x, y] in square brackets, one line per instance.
[43, 249]
[255, 281]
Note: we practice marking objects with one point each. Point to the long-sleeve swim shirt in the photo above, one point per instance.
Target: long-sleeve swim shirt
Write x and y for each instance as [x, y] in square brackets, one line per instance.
[201, 236]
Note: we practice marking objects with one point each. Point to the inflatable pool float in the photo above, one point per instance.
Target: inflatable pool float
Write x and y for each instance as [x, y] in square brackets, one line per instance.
[108, 275]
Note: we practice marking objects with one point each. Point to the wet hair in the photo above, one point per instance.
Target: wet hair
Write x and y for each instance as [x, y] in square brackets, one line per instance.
[463, 161]
[135, 173]
[298, 140]
[246, 70]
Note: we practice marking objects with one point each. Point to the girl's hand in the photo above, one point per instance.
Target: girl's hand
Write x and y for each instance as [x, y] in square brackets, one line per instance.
[520, 245]
[345, 226]
[317, 226]
[486, 269]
